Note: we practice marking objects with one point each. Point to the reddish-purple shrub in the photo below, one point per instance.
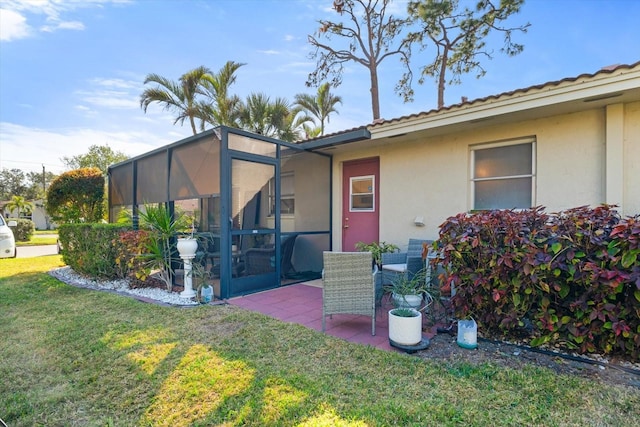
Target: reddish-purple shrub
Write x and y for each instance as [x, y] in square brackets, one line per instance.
[569, 279]
[485, 255]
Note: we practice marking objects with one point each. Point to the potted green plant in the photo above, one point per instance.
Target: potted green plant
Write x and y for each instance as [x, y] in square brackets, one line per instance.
[188, 244]
[205, 293]
[377, 249]
[410, 291]
[200, 275]
[405, 326]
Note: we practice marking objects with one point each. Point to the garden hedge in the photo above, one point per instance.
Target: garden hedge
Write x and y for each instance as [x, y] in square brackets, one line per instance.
[24, 229]
[569, 279]
[92, 249]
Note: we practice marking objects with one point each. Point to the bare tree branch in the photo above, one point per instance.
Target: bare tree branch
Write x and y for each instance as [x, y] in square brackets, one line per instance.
[371, 37]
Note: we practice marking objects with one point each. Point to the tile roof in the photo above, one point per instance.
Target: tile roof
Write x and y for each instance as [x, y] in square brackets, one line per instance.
[603, 71]
[606, 70]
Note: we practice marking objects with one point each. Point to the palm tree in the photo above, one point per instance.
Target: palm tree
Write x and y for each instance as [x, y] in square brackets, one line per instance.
[295, 127]
[310, 132]
[224, 112]
[177, 96]
[275, 119]
[320, 105]
[20, 204]
[279, 118]
[220, 108]
[255, 114]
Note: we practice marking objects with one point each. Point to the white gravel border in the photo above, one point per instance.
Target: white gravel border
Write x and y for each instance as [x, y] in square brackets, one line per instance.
[70, 277]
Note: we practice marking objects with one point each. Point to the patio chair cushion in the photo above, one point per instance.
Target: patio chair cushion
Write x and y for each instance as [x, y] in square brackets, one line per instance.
[395, 263]
[397, 268]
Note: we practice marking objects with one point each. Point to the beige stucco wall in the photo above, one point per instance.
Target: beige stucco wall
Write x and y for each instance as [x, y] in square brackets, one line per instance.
[570, 160]
[429, 177]
[632, 159]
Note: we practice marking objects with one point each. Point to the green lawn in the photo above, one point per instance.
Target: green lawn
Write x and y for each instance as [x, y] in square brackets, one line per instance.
[45, 232]
[71, 356]
[41, 237]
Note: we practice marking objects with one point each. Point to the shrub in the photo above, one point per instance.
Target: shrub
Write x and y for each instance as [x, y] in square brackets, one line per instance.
[77, 196]
[130, 245]
[594, 303]
[484, 254]
[160, 248]
[569, 279]
[24, 230]
[89, 248]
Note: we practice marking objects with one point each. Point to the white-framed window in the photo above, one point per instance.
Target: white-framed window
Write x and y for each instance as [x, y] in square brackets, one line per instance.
[503, 175]
[287, 195]
[362, 190]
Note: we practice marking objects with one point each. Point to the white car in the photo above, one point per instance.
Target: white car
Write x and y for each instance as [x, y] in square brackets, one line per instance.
[7, 242]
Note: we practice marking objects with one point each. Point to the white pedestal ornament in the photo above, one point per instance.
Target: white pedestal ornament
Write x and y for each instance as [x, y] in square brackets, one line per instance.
[187, 247]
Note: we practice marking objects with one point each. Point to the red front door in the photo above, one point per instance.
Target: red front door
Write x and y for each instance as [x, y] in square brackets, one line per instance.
[360, 202]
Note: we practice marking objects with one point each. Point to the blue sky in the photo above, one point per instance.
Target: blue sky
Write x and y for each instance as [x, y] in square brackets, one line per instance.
[71, 72]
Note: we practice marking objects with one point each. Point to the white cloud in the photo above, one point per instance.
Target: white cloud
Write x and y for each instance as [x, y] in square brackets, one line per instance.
[87, 112]
[113, 93]
[109, 99]
[270, 52]
[48, 146]
[67, 25]
[117, 83]
[17, 16]
[13, 26]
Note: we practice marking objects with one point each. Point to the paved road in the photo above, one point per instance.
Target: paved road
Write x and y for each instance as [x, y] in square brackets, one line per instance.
[34, 251]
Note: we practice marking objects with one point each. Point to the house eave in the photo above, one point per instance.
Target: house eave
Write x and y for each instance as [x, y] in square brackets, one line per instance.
[337, 139]
[587, 93]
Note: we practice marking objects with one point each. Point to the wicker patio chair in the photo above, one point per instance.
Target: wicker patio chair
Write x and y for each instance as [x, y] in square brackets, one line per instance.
[349, 285]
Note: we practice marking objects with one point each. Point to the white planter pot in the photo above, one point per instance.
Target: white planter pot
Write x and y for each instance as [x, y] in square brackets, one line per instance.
[407, 301]
[187, 247]
[405, 330]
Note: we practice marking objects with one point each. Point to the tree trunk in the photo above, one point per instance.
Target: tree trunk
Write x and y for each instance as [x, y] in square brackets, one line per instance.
[193, 125]
[375, 96]
[442, 78]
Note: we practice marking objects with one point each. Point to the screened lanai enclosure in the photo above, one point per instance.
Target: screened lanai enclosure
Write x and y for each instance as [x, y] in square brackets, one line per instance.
[261, 207]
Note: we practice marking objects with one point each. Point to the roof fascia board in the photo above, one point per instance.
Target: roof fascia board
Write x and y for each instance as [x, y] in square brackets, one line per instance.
[542, 97]
[339, 139]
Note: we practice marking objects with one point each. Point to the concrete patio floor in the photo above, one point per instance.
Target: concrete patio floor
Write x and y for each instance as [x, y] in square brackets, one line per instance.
[302, 303]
